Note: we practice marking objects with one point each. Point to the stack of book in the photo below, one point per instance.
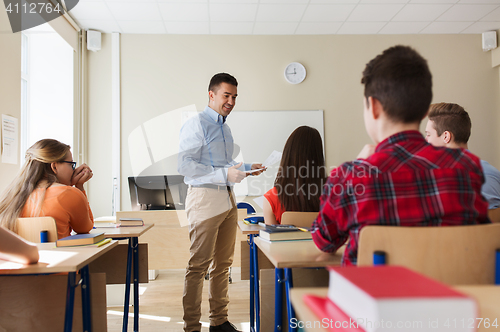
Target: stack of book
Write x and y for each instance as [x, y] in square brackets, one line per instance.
[391, 298]
[92, 239]
[284, 233]
[130, 222]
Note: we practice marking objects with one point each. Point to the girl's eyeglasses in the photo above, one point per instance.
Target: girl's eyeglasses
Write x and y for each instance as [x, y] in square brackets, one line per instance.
[73, 163]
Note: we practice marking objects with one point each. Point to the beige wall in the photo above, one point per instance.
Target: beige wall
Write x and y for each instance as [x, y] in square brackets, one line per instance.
[10, 86]
[99, 127]
[161, 73]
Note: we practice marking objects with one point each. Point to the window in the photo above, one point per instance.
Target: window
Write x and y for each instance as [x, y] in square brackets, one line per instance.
[46, 87]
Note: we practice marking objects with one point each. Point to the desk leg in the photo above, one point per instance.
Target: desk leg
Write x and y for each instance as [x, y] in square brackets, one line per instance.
[255, 263]
[278, 300]
[70, 302]
[288, 285]
[86, 309]
[135, 246]
[252, 289]
[127, 286]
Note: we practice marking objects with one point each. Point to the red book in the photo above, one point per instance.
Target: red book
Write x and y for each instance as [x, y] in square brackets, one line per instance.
[331, 317]
[389, 298]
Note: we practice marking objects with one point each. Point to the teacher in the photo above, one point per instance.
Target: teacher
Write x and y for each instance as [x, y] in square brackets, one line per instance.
[206, 161]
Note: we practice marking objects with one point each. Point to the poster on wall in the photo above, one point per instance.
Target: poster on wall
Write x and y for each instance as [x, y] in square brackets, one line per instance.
[9, 139]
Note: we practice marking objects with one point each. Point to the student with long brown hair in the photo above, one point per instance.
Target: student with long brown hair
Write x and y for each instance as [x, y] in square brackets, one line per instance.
[300, 177]
[49, 185]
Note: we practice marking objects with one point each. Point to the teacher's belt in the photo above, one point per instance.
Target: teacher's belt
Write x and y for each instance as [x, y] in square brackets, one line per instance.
[211, 186]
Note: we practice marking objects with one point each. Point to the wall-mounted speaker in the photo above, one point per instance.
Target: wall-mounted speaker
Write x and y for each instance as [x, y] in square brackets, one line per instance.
[93, 40]
[489, 40]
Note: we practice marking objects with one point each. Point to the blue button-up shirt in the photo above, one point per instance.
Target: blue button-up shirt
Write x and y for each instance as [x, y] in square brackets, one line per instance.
[206, 150]
[491, 186]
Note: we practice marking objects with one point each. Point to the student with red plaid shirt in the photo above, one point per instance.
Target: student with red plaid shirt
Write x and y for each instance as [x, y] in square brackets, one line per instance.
[401, 180]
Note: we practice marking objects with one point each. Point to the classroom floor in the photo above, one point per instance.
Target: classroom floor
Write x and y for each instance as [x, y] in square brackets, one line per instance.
[161, 304]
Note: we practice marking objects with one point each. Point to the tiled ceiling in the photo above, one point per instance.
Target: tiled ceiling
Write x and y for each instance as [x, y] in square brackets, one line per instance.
[289, 17]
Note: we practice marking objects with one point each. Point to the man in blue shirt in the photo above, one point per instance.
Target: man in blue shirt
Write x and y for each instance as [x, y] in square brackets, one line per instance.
[449, 125]
[206, 161]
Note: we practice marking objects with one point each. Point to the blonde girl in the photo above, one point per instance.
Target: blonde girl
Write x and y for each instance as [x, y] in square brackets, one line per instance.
[49, 184]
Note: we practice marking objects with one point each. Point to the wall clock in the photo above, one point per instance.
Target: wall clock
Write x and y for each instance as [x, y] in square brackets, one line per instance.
[295, 73]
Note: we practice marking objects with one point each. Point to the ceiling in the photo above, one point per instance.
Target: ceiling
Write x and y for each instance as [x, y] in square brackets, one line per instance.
[288, 17]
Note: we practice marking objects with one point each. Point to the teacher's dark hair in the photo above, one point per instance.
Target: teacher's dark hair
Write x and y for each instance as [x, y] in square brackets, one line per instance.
[219, 78]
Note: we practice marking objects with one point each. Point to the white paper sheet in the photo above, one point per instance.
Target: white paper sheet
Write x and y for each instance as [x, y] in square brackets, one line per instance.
[10, 141]
[254, 170]
[273, 158]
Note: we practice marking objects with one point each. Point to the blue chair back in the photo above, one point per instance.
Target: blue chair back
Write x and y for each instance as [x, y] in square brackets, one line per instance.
[245, 205]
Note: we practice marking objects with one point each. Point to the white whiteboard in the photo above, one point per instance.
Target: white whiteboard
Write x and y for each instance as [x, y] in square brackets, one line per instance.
[258, 133]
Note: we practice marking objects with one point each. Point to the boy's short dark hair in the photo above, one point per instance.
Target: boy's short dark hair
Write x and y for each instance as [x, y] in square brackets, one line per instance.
[401, 81]
[219, 78]
[453, 118]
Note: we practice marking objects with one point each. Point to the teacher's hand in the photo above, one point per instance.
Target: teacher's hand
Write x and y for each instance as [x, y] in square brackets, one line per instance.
[257, 166]
[82, 174]
[234, 174]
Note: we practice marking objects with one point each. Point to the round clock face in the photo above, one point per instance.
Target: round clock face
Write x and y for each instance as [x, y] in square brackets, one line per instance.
[295, 73]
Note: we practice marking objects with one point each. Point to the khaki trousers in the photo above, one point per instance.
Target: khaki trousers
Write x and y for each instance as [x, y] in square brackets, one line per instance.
[212, 217]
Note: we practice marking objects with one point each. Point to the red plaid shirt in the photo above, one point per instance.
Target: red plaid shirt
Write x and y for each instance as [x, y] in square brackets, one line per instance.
[406, 182]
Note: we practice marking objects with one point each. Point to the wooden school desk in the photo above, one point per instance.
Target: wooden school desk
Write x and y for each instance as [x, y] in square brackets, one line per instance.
[486, 295]
[285, 255]
[132, 234]
[171, 235]
[61, 260]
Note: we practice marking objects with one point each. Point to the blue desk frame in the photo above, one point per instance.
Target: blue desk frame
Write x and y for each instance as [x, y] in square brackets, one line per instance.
[254, 285]
[287, 281]
[283, 274]
[132, 262]
[278, 291]
[133, 253]
[281, 281]
[283, 277]
[70, 300]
